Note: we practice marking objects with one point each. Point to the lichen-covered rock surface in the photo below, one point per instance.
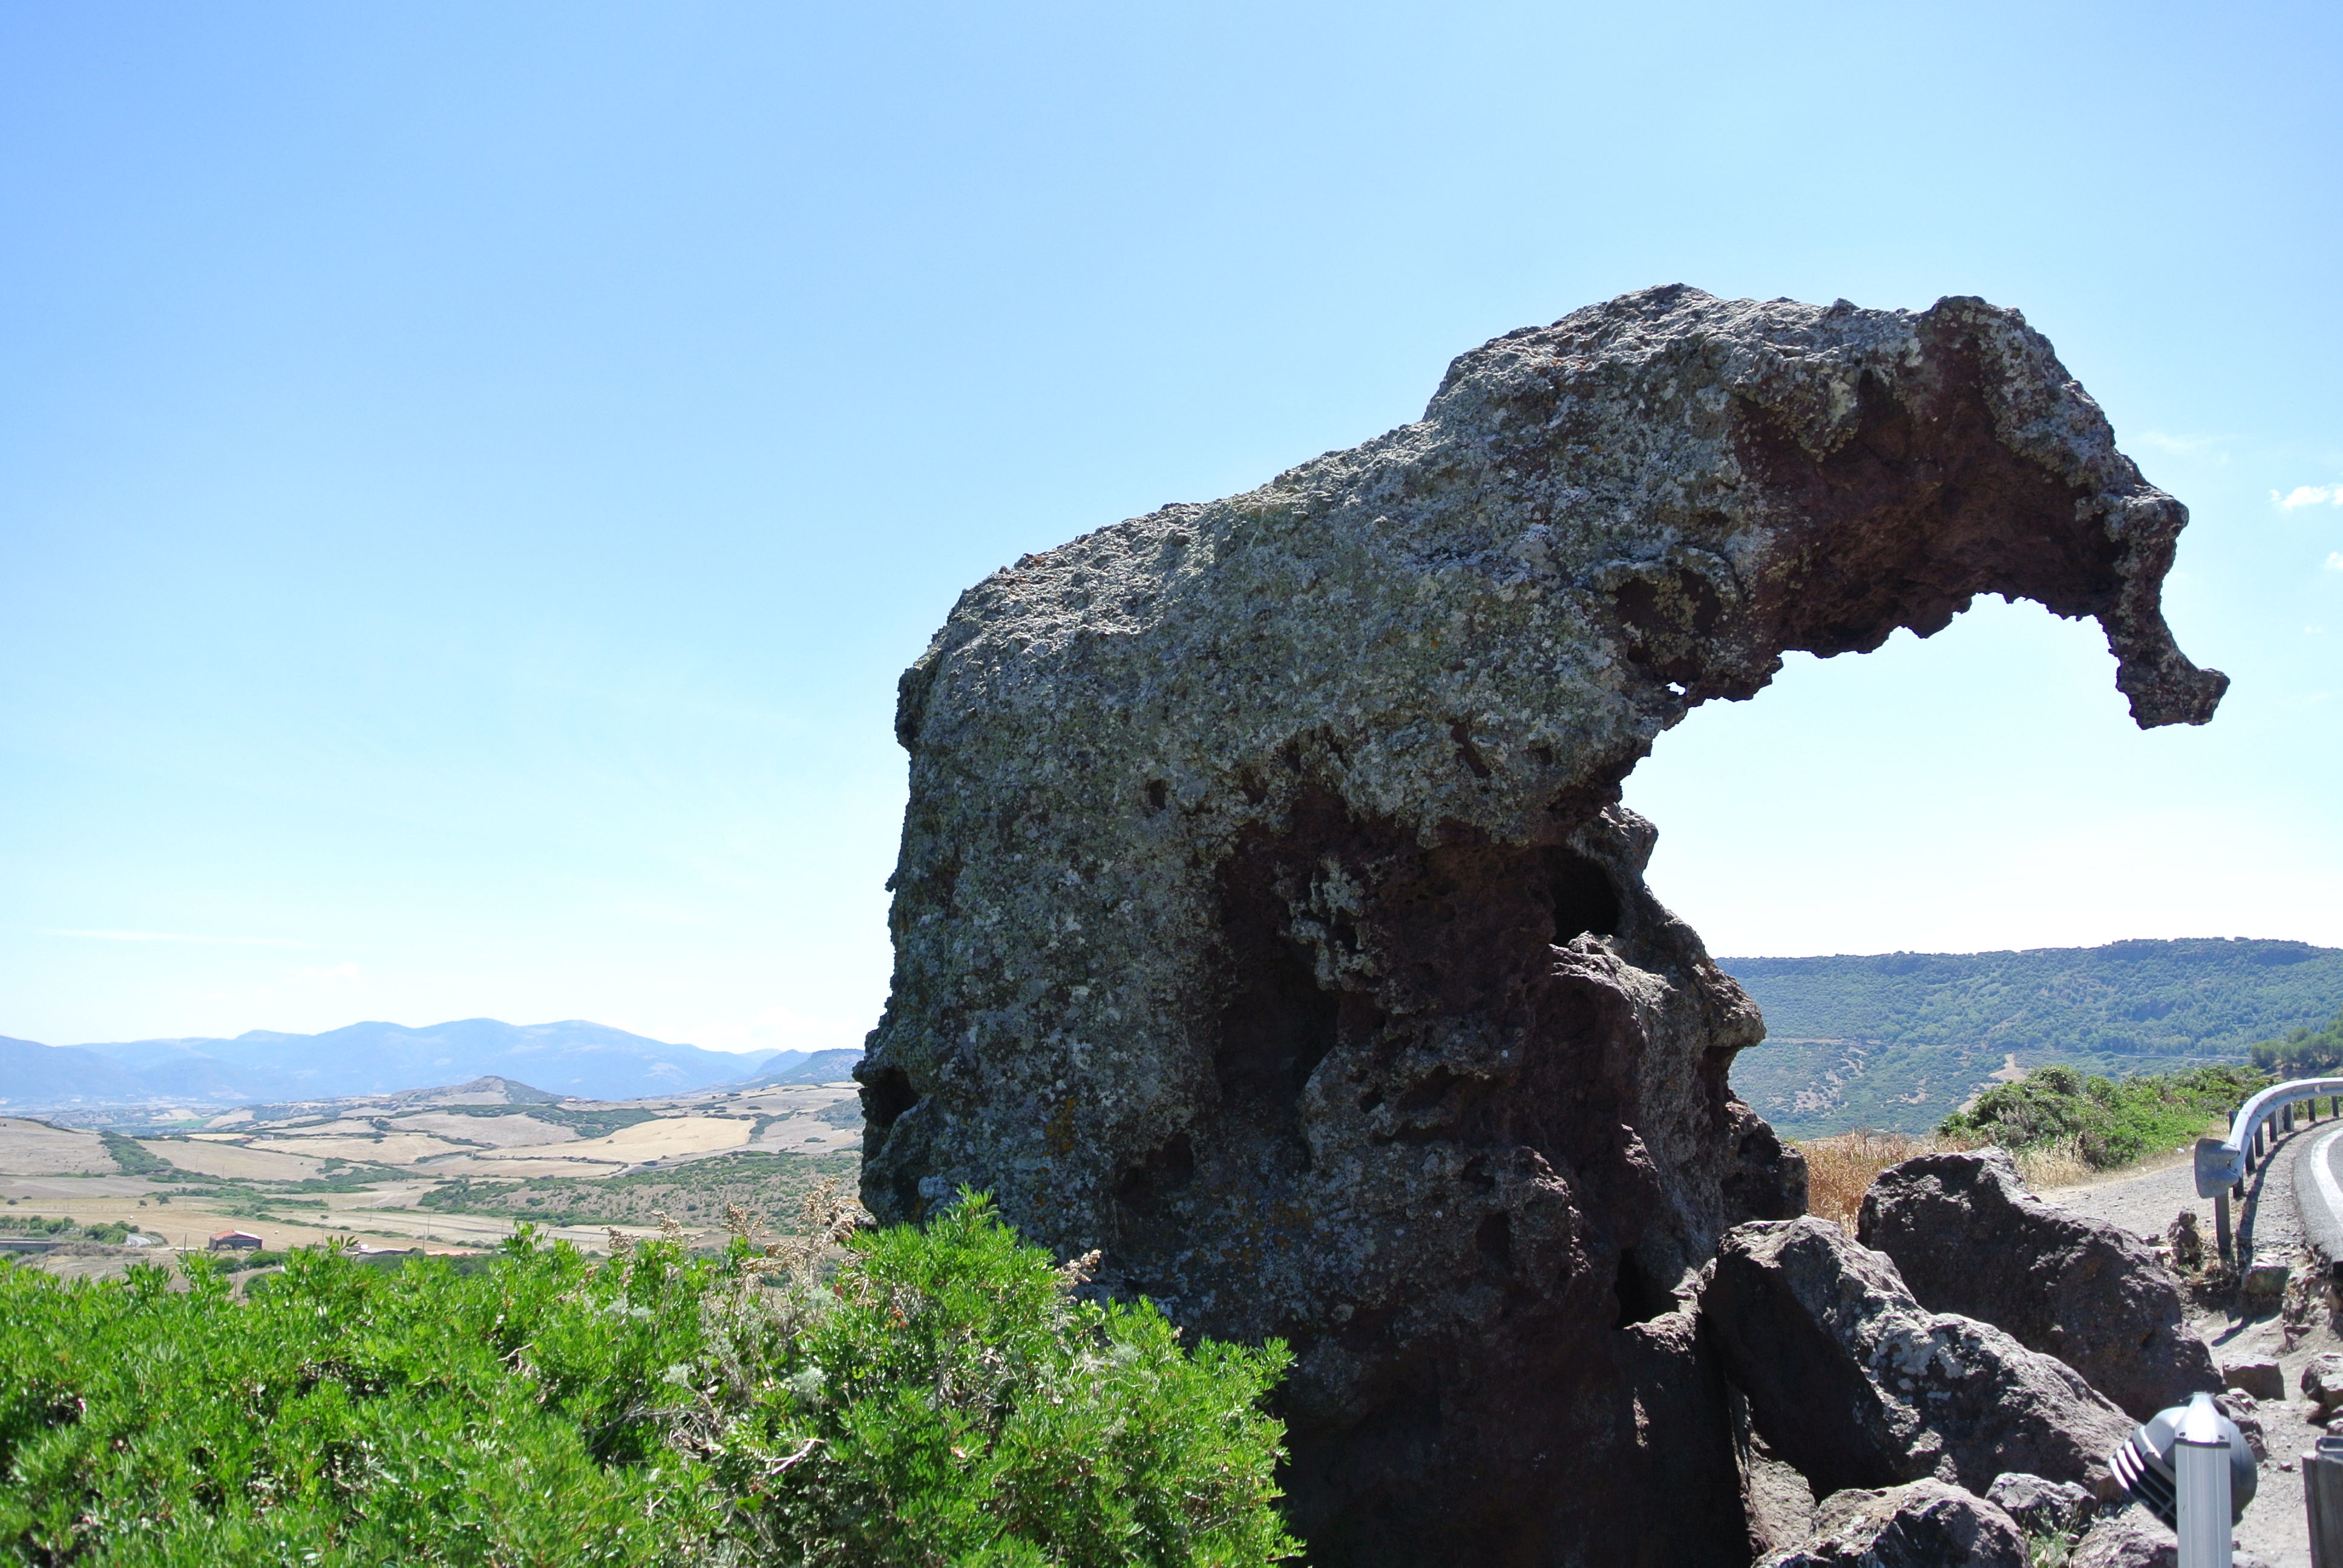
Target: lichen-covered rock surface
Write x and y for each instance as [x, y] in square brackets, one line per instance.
[1857, 1384]
[1266, 919]
[1968, 1238]
[1925, 1525]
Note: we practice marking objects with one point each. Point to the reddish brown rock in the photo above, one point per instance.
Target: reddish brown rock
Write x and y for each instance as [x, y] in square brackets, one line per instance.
[1266, 918]
[1968, 1238]
[1858, 1385]
[1924, 1524]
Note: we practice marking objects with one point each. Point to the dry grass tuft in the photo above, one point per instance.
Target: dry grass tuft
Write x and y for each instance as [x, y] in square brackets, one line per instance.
[1840, 1170]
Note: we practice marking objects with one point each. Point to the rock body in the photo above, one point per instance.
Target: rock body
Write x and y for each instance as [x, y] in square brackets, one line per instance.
[1968, 1238]
[1265, 917]
[2135, 1539]
[1926, 1524]
[2042, 1507]
[1857, 1385]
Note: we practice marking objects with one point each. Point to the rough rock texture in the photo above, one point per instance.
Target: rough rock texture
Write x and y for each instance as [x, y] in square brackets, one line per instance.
[1925, 1525]
[2322, 1381]
[1968, 1238]
[2136, 1539]
[1856, 1384]
[1775, 1498]
[2259, 1376]
[1265, 917]
[2042, 1507]
[2243, 1409]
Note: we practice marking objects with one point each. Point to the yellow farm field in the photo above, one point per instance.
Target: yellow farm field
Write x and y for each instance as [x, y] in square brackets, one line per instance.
[231, 1160]
[387, 1148]
[36, 1148]
[660, 1138]
[517, 1131]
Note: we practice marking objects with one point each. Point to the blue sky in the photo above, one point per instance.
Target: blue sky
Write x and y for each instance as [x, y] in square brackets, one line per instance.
[470, 475]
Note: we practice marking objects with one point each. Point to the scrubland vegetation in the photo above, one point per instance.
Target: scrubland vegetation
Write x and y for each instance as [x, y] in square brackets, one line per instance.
[2105, 1122]
[2059, 1125]
[2304, 1052]
[937, 1396]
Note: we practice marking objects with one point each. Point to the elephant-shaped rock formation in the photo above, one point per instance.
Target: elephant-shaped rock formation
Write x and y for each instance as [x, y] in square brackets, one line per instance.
[1266, 918]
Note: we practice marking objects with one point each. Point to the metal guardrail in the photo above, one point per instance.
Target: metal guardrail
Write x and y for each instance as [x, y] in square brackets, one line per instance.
[2224, 1163]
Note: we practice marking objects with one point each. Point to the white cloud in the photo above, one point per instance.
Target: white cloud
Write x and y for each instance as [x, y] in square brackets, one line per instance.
[2335, 560]
[2310, 495]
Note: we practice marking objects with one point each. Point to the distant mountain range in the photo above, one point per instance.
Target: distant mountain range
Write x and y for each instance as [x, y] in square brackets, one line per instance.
[1897, 1042]
[587, 1060]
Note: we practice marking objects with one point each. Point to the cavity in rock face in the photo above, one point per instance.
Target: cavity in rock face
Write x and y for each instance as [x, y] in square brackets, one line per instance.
[1266, 918]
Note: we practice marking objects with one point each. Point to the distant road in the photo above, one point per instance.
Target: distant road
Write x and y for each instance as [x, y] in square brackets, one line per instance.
[2318, 1192]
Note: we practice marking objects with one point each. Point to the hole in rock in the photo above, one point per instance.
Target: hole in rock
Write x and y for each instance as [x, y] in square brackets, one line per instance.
[1640, 1297]
[1274, 1032]
[1164, 1173]
[1159, 794]
[1496, 1240]
[886, 1094]
[1584, 901]
[1466, 752]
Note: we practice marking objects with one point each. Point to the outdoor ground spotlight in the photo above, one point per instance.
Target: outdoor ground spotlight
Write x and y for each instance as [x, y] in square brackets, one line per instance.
[2148, 1462]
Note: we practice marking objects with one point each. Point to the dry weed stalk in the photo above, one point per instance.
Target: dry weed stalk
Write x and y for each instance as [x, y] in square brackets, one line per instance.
[1841, 1169]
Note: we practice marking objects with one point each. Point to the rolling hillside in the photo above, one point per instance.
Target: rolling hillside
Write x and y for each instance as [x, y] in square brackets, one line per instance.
[1899, 1040]
[573, 1058]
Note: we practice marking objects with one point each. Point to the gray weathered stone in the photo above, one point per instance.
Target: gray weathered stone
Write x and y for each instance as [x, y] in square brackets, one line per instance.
[2136, 1539]
[1968, 1238]
[1856, 1384]
[2322, 1381]
[1923, 1524]
[2257, 1375]
[1265, 917]
[2042, 1507]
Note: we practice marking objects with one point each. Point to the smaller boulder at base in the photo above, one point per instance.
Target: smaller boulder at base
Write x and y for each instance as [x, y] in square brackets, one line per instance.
[2042, 1507]
[2134, 1539]
[1857, 1385]
[2322, 1382]
[1970, 1238]
[2259, 1376]
[1925, 1525]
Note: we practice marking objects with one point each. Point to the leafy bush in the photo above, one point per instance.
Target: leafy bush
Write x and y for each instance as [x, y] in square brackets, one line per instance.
[2107, 1121]
[944, 1398]
[2303, 1053]
[111, 1231]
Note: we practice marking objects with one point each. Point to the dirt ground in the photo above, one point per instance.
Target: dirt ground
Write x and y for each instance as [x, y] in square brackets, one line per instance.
[2144, 1200]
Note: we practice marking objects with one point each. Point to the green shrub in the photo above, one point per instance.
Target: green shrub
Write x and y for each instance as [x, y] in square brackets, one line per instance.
[2303, 1053]
[112, 1231]
[2109, 1122]
[944, 1398]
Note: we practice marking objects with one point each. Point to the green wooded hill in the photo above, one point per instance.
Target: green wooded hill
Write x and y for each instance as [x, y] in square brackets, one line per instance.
[1898, 1041]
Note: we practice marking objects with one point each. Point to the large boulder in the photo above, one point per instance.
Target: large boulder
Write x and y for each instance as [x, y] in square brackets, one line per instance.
[2040, 1507]
[1856, 1384]
[1267, 919]
[1921, 1524]
[2136, 1539]
[1968, 1238]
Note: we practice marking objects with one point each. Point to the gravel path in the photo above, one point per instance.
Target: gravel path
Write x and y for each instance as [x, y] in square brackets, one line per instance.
[2270, 1226]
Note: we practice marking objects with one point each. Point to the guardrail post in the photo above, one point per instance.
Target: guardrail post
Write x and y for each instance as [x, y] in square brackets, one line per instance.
[2322, 1499]
[2221, 1241]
